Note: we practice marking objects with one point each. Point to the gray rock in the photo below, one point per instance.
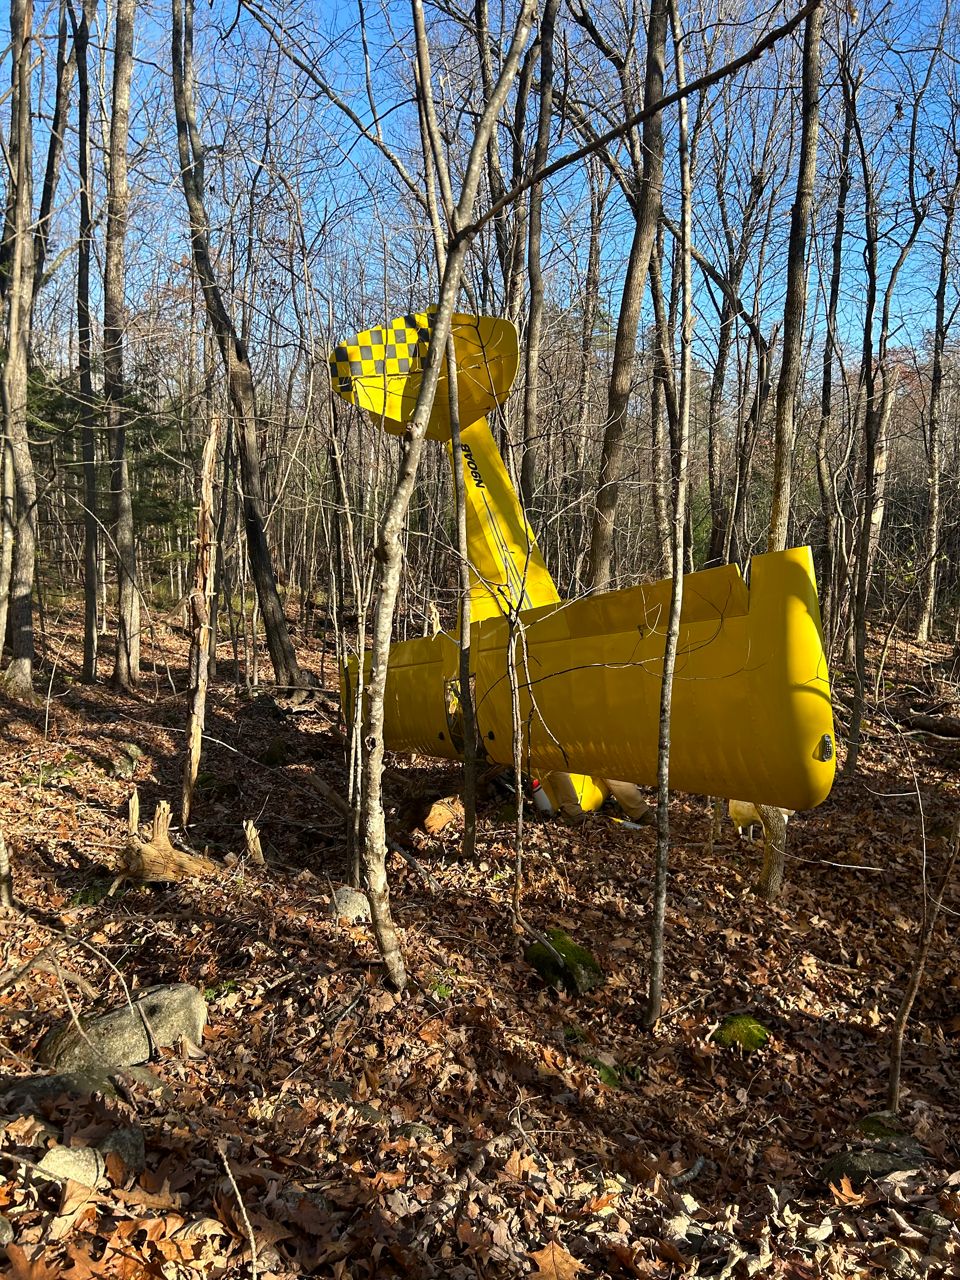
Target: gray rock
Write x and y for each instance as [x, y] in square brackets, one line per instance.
[935, 1223]
[123, 1037]
[128, 1144]
[882, 1125]
[704, 1241]
[124, 764]
[341, 1090]
[77, 1164]
[350, 903]
[6, 1231]
[871, 1162]
[885, 1147]
[24, 1093]
[144, 1077]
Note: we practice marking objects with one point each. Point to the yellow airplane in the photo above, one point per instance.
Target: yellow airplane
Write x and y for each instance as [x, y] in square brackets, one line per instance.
[752, 713]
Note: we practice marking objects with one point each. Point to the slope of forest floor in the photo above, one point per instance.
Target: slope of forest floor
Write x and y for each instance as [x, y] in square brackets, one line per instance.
[480, 1124]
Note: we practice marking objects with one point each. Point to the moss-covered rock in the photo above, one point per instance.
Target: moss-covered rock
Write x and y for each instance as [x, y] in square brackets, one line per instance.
[743, 1030]
[579, 971]
[882, 1125]
[124, 763]
[862, 1163]
[884, 1146]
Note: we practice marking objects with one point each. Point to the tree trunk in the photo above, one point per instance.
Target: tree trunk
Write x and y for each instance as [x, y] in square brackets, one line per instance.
[826, 476]
[8, 520]
[435, 162]
[646, 214]
[714, 419]
[240, 382]
[935, 425]
[58, 125]
[671, 640]
[88, 447]
[390, 547]
[18, 254]
[465, 696]
[509, 225]
[126, 666]
[785, 426]
[774, 851]
[531, 390]
[878, 383]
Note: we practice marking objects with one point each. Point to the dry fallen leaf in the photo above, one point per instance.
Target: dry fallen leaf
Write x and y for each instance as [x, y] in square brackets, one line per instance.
[554, 1263]
[845, 1194]
[629, 1258]
[24, 1268]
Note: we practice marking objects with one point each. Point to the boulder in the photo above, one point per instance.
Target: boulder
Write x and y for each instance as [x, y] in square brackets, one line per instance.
[124, 763]
[85, 1165]
[157, 1018]
[26, 1092]
[348, 903]
[126, 1142]
[885, 1147]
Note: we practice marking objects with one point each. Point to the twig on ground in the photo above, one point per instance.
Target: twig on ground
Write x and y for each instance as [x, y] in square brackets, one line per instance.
[432, 883]
[222, 1149]
[14, 975]
[62, 974]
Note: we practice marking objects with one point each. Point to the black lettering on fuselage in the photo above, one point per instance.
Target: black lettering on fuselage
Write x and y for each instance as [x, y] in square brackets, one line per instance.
[472, 466]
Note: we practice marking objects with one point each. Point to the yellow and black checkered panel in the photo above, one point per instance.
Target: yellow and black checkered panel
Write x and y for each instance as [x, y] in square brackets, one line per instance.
[394, 351]
[380, 370]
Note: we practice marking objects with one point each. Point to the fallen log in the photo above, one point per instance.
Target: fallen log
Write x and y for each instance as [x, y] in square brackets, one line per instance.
[942, 726]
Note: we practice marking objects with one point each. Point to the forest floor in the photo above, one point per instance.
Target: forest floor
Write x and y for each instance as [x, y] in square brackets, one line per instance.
[480, 1124]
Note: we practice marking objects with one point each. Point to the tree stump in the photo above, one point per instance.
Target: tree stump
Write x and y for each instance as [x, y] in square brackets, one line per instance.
[252, 838]
[157, 860]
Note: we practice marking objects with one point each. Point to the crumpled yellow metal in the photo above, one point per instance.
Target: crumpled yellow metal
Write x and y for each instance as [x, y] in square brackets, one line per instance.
[752, 714]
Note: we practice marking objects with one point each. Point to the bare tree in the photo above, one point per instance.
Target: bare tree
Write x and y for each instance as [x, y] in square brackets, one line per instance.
[88, 445]
[827, 475]
[435, 162]
[66, 63]
[390, 546]
[878, 374]
[681, 389]
[934, 423]
[795, 305]
[17, 295]
[531, 388]
[646, 211]
[126, 667]
[233, 350]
